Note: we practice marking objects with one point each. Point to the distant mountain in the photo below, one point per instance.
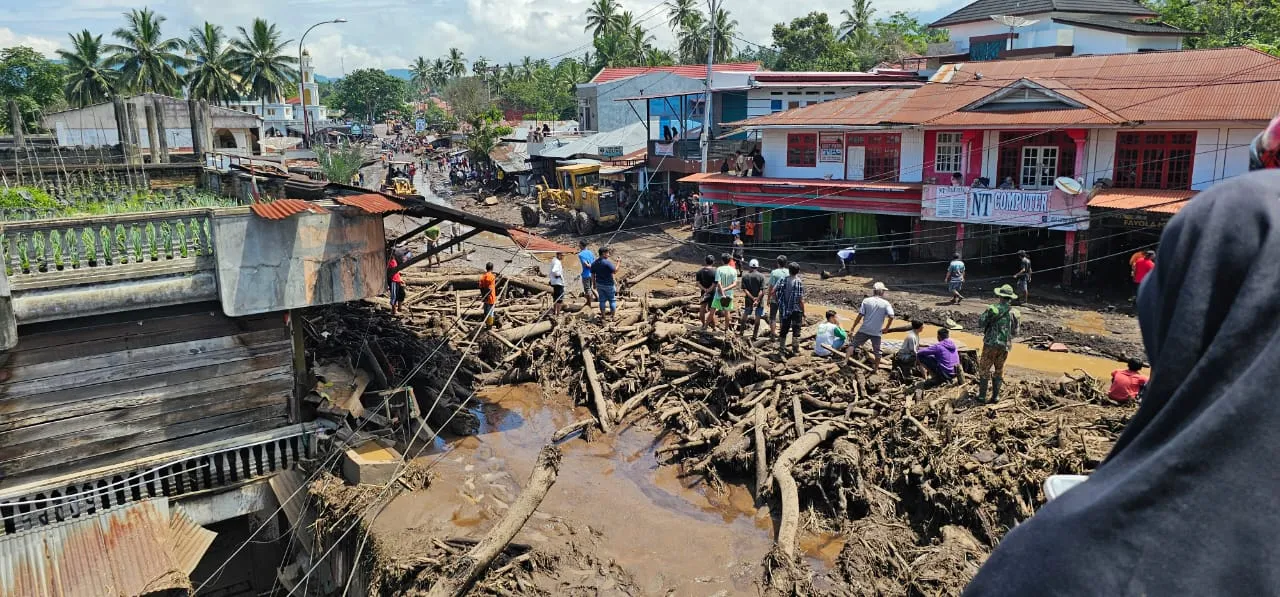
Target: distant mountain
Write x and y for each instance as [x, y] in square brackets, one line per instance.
[322, 79]
[399, 73]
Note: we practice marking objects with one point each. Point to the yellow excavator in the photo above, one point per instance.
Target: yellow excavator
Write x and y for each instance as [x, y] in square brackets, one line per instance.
[397, 181]
[580, 199]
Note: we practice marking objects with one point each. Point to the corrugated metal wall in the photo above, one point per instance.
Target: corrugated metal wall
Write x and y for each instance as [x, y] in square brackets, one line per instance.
[101, 391]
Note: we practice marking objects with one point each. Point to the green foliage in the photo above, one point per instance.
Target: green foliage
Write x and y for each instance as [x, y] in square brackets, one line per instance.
[1223, 22]
[148, 62]
[263, 61]
[486, 131]
[468, 97]
[369, 94]
[807, 43]
[210, 76]
[811, 42]
[440, 120]
[26, 198]
[340, 163]
[88, 79]
[33, 81]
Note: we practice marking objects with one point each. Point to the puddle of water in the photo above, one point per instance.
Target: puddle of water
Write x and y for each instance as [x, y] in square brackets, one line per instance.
[1089, 322]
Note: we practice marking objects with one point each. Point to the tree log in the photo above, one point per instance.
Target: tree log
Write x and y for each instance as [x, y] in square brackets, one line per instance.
[762, 463]
[597, 394]
[798, 413]
[518, 334]
[646, 273]
[790, 519]
[468, 569]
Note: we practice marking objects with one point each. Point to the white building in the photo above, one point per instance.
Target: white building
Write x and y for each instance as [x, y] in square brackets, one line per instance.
[1054, 28]
[280, 115]
[95, 126]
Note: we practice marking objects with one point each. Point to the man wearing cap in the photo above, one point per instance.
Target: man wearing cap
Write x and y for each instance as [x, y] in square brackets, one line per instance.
[876, 315]
[752, 284]
[999, 325]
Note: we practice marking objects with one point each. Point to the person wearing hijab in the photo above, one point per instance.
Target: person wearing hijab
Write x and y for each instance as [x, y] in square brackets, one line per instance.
[1185, 503]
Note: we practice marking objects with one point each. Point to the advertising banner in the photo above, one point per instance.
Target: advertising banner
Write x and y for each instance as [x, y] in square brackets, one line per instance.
[831, 147]
[664, 149]
[1035, 209]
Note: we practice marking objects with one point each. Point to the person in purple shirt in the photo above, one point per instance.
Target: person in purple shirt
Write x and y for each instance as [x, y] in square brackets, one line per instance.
[940, 358]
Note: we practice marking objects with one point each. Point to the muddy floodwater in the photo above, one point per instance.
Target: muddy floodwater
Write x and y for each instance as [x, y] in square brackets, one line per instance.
[670, 535]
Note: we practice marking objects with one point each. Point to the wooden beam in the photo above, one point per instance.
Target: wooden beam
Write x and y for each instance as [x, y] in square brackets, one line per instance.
[457, 240]
[415, 232]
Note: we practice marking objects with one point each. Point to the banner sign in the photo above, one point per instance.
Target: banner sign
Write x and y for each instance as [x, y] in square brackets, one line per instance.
[610, 151]
[1036, 209]
[420, 125]
[664, 149]
[831, 147]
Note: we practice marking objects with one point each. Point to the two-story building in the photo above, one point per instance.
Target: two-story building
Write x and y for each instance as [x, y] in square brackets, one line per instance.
[973, 160]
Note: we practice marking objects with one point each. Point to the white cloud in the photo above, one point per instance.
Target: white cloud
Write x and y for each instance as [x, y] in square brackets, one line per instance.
[43, 45]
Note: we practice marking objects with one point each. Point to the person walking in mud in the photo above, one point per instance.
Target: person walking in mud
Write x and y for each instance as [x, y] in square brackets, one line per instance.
[1023, 278]
[999, 323]
[875, 316]
[604, 270]
[848, 258]
[489, 290]
[556, 279]
[776, 276]
[955, 279]
[790, 297]
[706, 280]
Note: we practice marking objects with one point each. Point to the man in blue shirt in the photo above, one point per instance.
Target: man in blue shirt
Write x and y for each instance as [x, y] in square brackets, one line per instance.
[603, 271]
[585, 259]
[955, 279]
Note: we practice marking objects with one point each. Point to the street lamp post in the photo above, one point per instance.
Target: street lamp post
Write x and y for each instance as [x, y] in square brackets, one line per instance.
[302, 84]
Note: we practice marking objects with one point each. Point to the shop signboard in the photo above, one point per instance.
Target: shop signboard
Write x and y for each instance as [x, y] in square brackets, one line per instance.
[610, 151]
[1052, 209]
[664, 149]
[831, 147]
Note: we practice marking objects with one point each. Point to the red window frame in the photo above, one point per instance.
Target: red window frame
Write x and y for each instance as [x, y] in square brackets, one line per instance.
[882, 156]
[1154, 159]
[802, 150]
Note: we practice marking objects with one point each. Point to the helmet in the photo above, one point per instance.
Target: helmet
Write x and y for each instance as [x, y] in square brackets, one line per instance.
[1264, 152]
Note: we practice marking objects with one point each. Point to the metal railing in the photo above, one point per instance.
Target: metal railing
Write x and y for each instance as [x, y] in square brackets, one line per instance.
[34, 249]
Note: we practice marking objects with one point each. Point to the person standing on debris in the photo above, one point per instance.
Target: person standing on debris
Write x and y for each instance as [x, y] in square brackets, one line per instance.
[1127, 384]
[906, 358]
[706, 279]
[604, 270]
[585, 259]
[941, 359]
[735, 228]
[999, 323]
[433, 240]
[830, 334]
[1183, 504]
[726, 282]
[776, 276]
[1142, 267]
[876, 315]
[739, 252]
[790, 297]
[749, 229]
[395, 284]
[848, 258]
[1023, 277]
[489, 290]
[556, 279]
[955, 279]
[753, 303]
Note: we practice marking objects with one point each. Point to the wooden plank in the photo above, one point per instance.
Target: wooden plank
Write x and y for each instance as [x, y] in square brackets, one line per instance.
[10, 409]
[86, 415]
[163, 352]
[137, 323]
[95, 347]
[209, 429]
[84, 380]
[216, 403]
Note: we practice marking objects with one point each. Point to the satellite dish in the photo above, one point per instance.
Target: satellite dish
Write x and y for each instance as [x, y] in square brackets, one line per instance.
[1068, 185]
[1013, 22]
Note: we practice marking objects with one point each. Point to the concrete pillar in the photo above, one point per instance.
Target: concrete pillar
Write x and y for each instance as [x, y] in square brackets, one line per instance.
[1069, 246]
[161, 129]
[15, 123]
[1082, 251]
[266, 551]
[135, 136]
[153, 142]
[1079, 136]
[197, 144]
[122, 120]
[206, 125]
[960, 238]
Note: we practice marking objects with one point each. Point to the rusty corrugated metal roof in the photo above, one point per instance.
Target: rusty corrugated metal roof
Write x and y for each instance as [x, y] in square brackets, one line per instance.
[533, 242]
[127, 551]
[371, 202]
[692, 71]
[283, 208]
[189, 541]
[1152, 200]
[865, 109]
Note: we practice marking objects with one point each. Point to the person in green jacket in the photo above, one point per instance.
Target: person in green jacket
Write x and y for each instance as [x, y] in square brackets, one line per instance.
[999, 323]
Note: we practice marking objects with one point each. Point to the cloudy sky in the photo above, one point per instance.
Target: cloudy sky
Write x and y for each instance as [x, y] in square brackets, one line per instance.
[390, 33]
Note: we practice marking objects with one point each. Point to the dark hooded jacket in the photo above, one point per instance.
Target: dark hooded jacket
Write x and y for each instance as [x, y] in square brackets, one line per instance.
[1188, 501]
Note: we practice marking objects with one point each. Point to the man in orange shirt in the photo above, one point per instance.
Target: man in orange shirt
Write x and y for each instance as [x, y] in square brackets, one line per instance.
[489, 290]
[1126, 384]
[750, 229]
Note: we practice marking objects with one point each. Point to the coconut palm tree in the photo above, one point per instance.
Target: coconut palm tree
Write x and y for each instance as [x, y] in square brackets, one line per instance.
[657, 57]
[209, 77]
[569, 73]
[89, 81]
[691, 42]
[146, 60]
[639, 42]
[457, 62]
[602, 17]
[439, 74]
[262, 61]
[480, 67]
[726, 32]
[420, 73]
[857, 22]
[526, 68]
[679, 13]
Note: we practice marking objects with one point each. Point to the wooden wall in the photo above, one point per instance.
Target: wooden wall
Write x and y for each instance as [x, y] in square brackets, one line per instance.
[101, 391]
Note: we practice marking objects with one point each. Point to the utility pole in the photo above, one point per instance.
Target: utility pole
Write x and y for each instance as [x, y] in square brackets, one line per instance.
[705, 140]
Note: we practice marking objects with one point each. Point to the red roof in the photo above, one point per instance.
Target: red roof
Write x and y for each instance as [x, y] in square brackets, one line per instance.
[692, 71]
[801, 78]
[371, 203]
[1152, 200]
[865, 109]
[283, 208]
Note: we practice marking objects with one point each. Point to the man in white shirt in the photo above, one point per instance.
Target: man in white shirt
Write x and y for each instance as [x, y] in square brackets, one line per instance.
[556, 279]
[847, 257]
[876, 315]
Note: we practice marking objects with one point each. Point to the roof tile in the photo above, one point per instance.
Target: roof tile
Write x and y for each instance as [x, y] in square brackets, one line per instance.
[283, 208]
[1152, 200]
[371, 202]
[693, 71]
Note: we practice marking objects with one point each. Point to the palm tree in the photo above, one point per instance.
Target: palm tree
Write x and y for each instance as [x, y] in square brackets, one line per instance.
[210, 75]
[569, 73]
[526, 68]
[457, 62]
[147, 62]
[640, 42]
[857, 21]
[691, 41]
[420, 73]
[89, 81]
[260, 58]
[679, 13]
[726, 29]
[657, 57]
[481, 67]
[602, 17]
[439, 73]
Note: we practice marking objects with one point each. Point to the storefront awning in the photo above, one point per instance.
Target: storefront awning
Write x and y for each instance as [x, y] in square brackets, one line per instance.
[898, 199]
[1159, 201]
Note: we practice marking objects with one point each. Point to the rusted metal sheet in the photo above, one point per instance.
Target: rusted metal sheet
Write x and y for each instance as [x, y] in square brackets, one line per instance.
[189, 540]
[283, 208]
[371, 203]
[129, 551]
[535, 243]
[1152, 200]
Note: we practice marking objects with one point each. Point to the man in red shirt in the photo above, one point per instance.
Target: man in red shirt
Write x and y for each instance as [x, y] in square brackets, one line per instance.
[489, 290]
[1126, 384]
[1143, 266]
[395, 284]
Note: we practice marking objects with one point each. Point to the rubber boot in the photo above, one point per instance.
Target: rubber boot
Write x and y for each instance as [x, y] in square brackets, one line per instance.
[995, 388]
[982, 389]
